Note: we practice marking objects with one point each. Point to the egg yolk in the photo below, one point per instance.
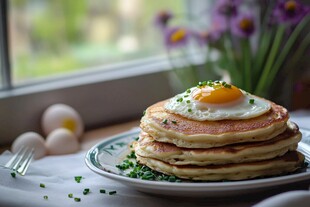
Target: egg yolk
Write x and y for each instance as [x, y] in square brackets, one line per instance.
[69, 124]
[217, 94]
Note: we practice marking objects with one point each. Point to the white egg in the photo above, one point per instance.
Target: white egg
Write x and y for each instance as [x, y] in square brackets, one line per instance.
[61, 141]
[30, 140]
[185, 105]
[62, 116]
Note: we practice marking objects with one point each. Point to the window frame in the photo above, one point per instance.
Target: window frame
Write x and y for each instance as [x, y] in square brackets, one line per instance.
[4, 47]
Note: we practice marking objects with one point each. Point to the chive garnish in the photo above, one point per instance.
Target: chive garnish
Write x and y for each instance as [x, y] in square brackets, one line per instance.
[45, 197]
[144, 112]
[188, 90]
[165, 121]
[77, 199]
[174, 122]
[251, 101]
[70, 195]
[42, 185]
[102, 191]
[142, 172]
[188, 101]
[86, 191]
[112, 192]
[189, 110]
[78, 179]
[13, 174]
[126, 164]
[131, 155]
[200, 84]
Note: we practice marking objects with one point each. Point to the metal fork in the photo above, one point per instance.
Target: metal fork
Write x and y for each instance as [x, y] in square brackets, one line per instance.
[21, 160]
[305, 149]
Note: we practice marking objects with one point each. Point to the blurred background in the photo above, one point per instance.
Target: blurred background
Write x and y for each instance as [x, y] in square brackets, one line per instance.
[105, 58]
[49, 38]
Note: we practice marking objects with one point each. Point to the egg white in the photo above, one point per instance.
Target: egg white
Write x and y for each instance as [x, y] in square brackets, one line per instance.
[185, 105]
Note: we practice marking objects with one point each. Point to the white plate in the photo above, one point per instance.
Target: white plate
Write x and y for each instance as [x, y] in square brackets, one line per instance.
[104, 156]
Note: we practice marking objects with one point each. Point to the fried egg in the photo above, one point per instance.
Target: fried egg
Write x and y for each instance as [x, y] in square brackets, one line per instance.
[217, 101]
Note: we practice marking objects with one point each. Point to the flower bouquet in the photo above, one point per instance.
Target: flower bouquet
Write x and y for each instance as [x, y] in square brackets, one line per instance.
[259, 44]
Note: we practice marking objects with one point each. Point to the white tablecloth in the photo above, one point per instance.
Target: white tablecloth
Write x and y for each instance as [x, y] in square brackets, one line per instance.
[57, 174]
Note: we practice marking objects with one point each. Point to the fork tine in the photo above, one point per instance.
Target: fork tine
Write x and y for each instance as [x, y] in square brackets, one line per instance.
[26, 162]
[20, 159]
[15, 158]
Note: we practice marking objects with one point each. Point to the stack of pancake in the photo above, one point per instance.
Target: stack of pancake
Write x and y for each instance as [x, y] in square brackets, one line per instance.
[218, 150]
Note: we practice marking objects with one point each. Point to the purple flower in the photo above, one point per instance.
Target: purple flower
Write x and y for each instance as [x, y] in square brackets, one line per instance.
[289, 11]
[176, 37]
[243, 25]
[224, 11]
[210, 37]
[162, 18]
[227, 8]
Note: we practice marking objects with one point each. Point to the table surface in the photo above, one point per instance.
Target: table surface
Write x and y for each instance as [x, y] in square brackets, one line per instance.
[92, 137]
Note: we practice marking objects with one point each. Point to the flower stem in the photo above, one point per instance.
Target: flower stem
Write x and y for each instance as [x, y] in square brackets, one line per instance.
[246, 50]
[286, 49]
[304, 45]
[263, 46]
[231, 61]
[273, 53]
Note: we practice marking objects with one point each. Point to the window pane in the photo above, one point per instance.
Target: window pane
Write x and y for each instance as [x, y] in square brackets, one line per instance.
[57, 37]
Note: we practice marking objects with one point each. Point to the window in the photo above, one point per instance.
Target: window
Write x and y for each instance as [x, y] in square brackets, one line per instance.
[107, 64]
[57, 37]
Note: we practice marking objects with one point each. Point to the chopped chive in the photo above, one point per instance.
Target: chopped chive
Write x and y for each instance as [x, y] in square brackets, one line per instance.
[126, 164]
[189, 110]
[77, 199]
[226, 85]
[112, 192]
[188, 90]
[137, 138]
[174, 122]
[132, 174]
[251, 101]
[172, 178]
[78, 179]
[188, 101]
[144, 112]
[86, 191]
[45, 197]
[70, 195]
[13, 174]
[132, 155]
[210, 83]
[186, 96]
[200, 84]
[180, 99]
[165, 121]
[42, 185]
[102, 191]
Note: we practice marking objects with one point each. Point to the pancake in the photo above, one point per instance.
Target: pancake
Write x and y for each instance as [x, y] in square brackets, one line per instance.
[237, 153]
[287, 163]
[173, 128]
